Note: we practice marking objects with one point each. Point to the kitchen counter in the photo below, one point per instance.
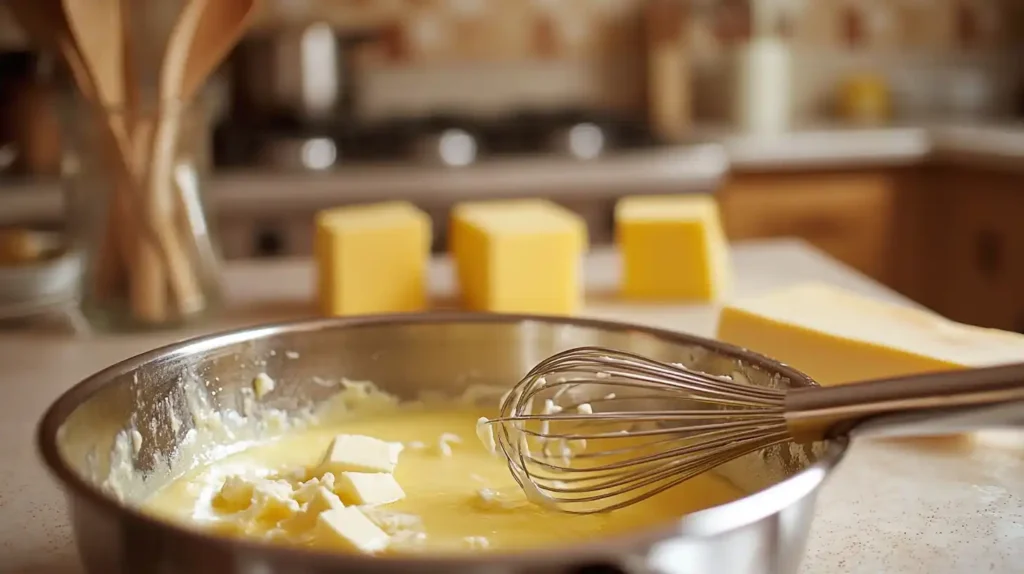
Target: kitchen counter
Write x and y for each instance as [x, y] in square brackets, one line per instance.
[891, 506]
[698, 168]
[988, 146]
[824, 148]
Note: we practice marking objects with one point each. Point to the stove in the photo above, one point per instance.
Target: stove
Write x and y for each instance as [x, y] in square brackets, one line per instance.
[583, 159]
[446, 139]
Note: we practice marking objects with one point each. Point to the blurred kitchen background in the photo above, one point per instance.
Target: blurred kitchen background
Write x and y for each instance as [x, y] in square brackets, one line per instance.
[887, 133]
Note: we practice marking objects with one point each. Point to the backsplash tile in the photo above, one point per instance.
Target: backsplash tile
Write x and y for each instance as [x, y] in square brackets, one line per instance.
[485, 56]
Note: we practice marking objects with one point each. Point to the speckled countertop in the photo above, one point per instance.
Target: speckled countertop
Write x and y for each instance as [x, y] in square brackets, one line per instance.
[891, 507]
[698, 167]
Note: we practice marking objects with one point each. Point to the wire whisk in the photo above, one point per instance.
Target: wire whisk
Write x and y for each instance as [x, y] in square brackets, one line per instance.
[593, 430]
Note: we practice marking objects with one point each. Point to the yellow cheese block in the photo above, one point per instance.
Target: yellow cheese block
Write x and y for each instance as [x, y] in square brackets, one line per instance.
[839, 337]
[673, 248]
[372, 258]
[519, 256]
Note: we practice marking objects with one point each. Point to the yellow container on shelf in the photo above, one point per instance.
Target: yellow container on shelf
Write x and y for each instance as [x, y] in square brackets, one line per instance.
[864, 99]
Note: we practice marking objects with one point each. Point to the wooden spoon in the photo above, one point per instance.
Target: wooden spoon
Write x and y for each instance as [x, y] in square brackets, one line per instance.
[96, 27]
[99, 32]
[218, 30]
[101, 84]
[116, 253]
[201, 39]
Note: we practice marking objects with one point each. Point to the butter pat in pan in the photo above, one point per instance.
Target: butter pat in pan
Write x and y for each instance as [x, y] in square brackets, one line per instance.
[673, 248]
[358, 453]
[368, 488]
[320, 501]
[349, 529]
[839, 337]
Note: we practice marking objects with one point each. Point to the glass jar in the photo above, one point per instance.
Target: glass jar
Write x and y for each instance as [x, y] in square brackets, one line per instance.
[133, 183]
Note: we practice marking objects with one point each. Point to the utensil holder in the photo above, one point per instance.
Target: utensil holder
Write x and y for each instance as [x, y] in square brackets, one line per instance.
[133, 182]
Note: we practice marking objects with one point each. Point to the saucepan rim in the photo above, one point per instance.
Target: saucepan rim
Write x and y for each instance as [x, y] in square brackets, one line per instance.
[705, 523]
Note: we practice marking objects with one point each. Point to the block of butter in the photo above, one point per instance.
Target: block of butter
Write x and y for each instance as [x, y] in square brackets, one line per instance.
[358, 453]
[519, 256]
[350, 529]
[673, 248]
[839, 337]
[372, 258]
[369, 488]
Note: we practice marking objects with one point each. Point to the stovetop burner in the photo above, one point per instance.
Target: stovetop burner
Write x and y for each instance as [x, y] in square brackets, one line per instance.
[443, 139]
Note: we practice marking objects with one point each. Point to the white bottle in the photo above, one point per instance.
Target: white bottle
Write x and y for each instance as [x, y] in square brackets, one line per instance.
[762, 90]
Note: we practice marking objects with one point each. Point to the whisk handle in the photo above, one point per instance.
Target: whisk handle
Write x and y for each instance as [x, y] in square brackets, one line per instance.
[952, 401]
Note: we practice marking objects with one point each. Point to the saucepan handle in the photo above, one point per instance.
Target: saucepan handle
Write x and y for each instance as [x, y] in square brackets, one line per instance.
[934, 403]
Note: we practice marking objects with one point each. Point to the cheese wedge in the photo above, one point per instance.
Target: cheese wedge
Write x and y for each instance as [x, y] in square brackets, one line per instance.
[519, 256]
[839, 337]
[673, 248]
[372, 258]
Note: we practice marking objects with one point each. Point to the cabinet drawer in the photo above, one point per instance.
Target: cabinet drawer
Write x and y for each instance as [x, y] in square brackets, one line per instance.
[849, 216]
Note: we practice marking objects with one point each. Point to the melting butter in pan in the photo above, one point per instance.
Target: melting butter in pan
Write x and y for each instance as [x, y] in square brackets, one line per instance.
[271, 475]
[459, 499]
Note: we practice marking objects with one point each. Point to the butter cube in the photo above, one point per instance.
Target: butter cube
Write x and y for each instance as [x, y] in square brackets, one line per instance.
[358, 453]
[307, 490]
[369, 488]
[519, 256]
[324, 500]
[372, 258]
[349, 529]
[840, 337]
[235, 494]
[320, 500]
[673, 248]
[272, 501]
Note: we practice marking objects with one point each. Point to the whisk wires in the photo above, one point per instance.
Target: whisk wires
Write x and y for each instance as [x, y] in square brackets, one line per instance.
[593, 430]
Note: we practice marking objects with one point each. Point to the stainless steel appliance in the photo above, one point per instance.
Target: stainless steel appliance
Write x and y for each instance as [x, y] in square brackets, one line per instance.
[300, 72]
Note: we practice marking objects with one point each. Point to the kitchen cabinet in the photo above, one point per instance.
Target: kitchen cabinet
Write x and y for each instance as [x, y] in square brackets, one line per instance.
[977, 253]
[851, 215]
[950, 237]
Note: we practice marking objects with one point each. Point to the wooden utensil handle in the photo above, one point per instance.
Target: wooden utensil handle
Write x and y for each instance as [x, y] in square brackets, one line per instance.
[184, 283]
[153, 244]
[148, 285]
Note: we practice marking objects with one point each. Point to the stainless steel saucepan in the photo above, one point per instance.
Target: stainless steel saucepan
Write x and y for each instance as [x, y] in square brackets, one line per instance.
[763, 533]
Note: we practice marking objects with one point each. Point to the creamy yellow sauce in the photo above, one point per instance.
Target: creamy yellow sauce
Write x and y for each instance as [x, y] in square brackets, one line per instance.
[442, 492]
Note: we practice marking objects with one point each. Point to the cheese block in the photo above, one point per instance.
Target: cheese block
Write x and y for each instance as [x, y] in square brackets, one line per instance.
[673, 248]
[519, 256]
[372, 258]
[839, 337]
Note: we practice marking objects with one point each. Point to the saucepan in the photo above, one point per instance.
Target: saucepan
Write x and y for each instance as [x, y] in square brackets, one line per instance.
[141, 403]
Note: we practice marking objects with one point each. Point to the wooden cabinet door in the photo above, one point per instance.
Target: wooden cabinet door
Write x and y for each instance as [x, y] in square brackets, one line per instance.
[847, 215]
[981, 268]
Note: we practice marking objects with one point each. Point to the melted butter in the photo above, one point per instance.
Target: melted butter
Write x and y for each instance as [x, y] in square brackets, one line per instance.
[443, 490]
